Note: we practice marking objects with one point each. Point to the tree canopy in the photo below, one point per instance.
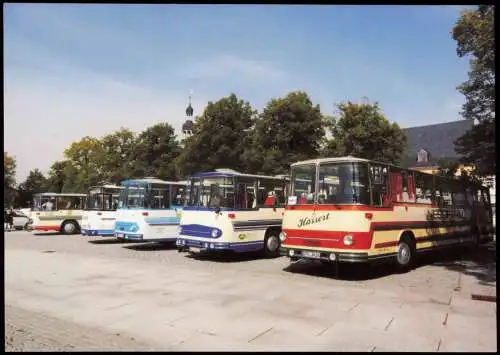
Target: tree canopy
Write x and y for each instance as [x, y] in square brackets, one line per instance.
[475, 36]
[289, 129]
[9, 179]
[219, 137]
[361, 130]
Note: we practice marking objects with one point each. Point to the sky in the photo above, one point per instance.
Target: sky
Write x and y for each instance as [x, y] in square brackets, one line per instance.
[89, 69]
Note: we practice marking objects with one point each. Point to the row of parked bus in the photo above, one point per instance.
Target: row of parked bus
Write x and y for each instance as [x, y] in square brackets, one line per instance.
[334, 210]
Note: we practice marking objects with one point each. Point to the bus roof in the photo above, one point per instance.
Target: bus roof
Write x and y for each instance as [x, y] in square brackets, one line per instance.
[332, 160]
[55, 194]
[107, 186]
[350, 158]
[233, 173]
[151, 181]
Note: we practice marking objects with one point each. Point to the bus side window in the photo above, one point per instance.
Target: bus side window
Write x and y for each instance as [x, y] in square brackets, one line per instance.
[396, 185]
[379, 185]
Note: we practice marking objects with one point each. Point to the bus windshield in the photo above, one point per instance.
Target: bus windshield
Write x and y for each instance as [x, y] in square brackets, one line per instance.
[103, 199]
[211, 192]
[145, 195]
[303, 184]
[338, 183]
[132, 196]
[343, 183]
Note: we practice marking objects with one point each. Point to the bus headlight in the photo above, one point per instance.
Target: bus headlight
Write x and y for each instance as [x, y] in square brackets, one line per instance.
[133, 228]
[291, 252]
[348, 240]
[282, 236]
[215, 233]
[179, 229]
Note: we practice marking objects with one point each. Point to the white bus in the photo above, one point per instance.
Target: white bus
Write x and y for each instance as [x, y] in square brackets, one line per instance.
[149, 210]
[230, 211]
[59, 212]
[100, 210]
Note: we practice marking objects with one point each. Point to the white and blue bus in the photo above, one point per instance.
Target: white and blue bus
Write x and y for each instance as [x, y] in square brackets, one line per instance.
[231, 211]
[100, 211]
[149, 210]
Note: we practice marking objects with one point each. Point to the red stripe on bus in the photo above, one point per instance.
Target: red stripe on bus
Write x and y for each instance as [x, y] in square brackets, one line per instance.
[387, 244]
[327, 239]
[47, 228]
[355, 207]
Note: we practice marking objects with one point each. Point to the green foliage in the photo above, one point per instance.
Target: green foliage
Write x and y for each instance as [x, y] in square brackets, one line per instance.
[361, 130]
[118, 149]
[228, 134]
[475, 36]
[86, 168]
[219, 137]
[289, 129]
[57, 176]
[153, 154]
[9, 179]
[34, 183]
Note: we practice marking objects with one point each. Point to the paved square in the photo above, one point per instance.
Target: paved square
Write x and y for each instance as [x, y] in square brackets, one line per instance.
[74, 292]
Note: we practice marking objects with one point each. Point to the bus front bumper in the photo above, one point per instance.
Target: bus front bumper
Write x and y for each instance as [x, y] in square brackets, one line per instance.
[331, 256]
[101, 232]
[140, 238]
[190, 245]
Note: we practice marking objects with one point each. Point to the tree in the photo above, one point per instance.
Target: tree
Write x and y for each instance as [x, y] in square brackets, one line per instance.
[155, 153]
[118, 150]
[289, 129]
[9, 180]
[85, 168]
[361, 130]
[34, 183]
[475, 36]
[57, 176]
[219, 137]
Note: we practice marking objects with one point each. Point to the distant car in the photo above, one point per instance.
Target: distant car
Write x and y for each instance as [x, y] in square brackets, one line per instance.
[20, 220]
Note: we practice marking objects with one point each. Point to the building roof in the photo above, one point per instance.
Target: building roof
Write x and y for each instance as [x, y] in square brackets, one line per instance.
[437, 139]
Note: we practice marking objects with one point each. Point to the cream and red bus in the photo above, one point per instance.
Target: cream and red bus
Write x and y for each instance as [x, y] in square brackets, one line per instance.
[57, 212]
[355, 210]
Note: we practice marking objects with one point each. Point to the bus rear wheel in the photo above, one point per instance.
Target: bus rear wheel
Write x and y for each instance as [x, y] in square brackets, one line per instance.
[405, 253]
[69, 227]
[272, 244]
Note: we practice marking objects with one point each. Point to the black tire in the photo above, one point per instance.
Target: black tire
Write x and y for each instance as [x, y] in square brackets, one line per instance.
[69, 227]
[405, 253]
[272, 244]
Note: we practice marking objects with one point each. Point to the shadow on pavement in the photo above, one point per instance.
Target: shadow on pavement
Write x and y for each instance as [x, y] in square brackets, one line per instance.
[477, 262]
[108, 241]
[151, 246]
[228, 257]
[43, 234]
[480, 263]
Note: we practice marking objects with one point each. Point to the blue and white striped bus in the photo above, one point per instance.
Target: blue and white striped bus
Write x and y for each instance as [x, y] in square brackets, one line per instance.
[231, 211]
[100, 210]
[149, 210]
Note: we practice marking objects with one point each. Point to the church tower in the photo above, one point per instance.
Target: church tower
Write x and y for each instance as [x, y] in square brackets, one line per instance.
[187, 127]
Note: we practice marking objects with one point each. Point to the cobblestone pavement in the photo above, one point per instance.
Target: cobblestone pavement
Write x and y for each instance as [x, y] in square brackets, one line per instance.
[73, 292]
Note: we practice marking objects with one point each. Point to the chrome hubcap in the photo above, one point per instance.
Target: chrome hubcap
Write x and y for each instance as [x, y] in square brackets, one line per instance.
[404, 253]
[69, 228]
[272, 243]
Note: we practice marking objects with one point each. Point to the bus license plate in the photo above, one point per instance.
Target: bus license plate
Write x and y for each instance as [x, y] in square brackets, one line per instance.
[194, 249]
[311, 254]
[119, 235]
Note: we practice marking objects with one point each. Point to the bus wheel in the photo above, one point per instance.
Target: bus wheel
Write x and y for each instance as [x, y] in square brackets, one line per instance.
[272, 244]
[69, 227]
[405, 253]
